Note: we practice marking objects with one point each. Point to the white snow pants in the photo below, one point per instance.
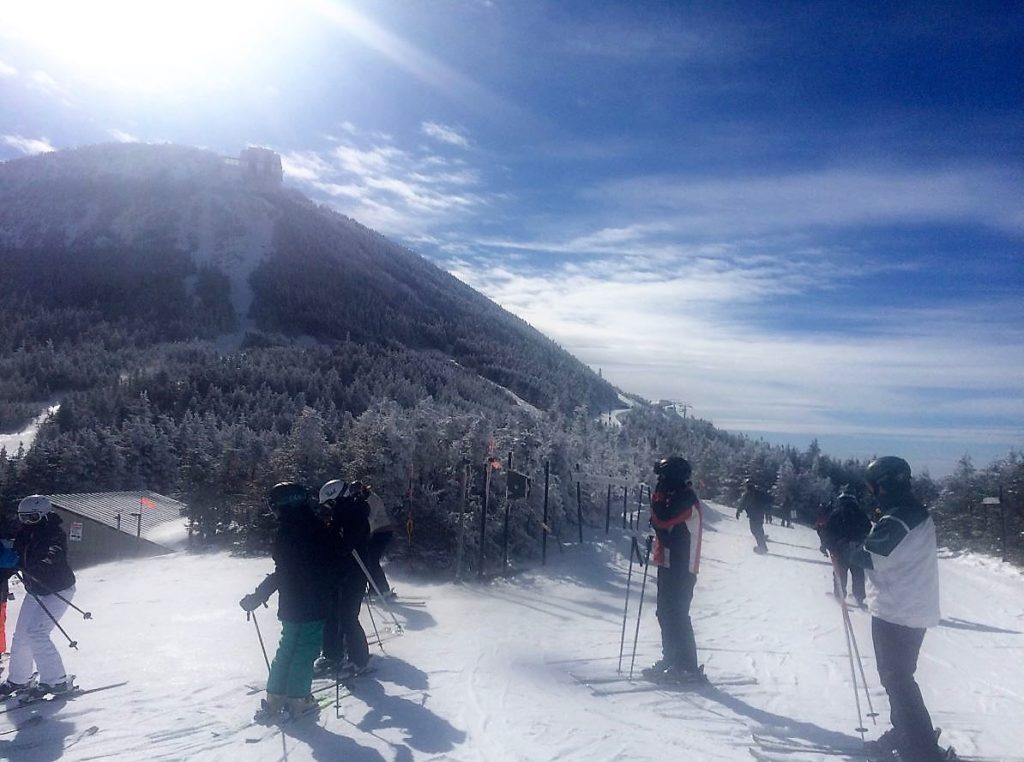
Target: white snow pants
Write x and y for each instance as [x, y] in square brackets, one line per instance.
[31, 642]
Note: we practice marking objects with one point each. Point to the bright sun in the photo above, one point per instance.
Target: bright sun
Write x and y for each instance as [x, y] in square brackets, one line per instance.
[145, 45]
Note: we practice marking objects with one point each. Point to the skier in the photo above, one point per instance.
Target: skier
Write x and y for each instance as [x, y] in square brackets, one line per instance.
[756, 503]
[845, 524]
[899, 555]
[303, 564]
[677, 519]
[382, 532]
[40, 557]
[344, 637]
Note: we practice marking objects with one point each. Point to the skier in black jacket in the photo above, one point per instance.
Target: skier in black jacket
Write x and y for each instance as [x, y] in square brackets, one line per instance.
[350, 520]
[304, 564]
[40, 554]
[846, 523]
[677, 519]
[756, 502]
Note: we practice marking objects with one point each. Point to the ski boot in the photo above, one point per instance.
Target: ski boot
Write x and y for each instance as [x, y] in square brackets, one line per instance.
[656, 672]
[324, 667]
[42, 690]
[681, 676]
[299, 707]
[9, 688]
[271, 710]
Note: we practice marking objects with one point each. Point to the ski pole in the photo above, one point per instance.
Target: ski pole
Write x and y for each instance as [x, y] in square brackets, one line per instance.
[849, 649]
[640, 608]
[853, 638]
[85, 614]
[380, 596]
[71, 643]
[376, 634]
[252, 615]
[622, 641]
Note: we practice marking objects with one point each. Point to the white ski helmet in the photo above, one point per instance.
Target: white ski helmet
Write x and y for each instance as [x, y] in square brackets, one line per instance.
[332, 490]
[32, 508]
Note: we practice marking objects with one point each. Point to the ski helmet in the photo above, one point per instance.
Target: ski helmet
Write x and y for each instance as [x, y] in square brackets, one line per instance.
[287, 495]
[332, 490]
[846, 499]
[888, 470]
[674, 468]
[32, 508]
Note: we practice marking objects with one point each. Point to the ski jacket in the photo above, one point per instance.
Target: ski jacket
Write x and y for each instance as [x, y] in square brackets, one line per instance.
[380, 520]
[42, 551]
[350, 523]
[901, 561]
[756, 503]
[845, 524]
[678, 520]
[305, 563]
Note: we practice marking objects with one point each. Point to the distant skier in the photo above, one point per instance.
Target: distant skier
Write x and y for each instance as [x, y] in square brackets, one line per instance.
[304, 562]
[39, 555]
[901, 561]
[756, 503]
[382, 532]
[845, 524]
[677, 519]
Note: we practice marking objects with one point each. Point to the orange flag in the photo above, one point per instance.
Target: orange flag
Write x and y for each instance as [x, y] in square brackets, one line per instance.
[145, 502]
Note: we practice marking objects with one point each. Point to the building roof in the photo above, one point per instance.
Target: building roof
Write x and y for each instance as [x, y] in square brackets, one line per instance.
[155, 509]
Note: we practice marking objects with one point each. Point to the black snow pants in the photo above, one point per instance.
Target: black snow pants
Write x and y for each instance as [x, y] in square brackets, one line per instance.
[675, 593]
[856, 573]
[343, 633]
[896, 651]
[757, 529]
[379, 542]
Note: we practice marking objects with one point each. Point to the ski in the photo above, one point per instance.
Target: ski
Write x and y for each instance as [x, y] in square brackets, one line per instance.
[272, 727]
[70, 695]
[606, 686]
[774, 750]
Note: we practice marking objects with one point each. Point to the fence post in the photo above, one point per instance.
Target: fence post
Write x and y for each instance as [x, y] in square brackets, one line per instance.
[508, 511]
[608, 511]
[544, 528]
[483, 514]
[579, 509]
[462, 523]
[625, 509]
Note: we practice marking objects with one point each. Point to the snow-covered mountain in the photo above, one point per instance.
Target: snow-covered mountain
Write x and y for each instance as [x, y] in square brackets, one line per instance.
[484, 672]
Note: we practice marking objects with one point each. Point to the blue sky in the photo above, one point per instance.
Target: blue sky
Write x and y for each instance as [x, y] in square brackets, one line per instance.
[802, 219]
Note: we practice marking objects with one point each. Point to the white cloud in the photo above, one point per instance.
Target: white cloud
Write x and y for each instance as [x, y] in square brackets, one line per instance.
[121, 136]
[6, 70]
[829, 198]
[445, 134]
[28, 146]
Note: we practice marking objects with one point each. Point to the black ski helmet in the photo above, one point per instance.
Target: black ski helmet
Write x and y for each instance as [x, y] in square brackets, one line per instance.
[287, 495]
[673, 468]
[846, 499]
[889, 470]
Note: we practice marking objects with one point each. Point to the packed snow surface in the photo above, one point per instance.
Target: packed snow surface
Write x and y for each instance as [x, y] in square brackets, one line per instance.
[484, 671]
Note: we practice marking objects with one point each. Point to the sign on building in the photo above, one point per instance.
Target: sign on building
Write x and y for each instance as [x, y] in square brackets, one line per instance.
[75, 533]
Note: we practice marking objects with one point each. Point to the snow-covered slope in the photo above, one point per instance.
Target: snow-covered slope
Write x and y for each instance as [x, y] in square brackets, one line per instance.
[483, 671]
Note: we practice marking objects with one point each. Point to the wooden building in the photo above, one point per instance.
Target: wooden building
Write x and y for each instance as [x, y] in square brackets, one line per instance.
[108, 526]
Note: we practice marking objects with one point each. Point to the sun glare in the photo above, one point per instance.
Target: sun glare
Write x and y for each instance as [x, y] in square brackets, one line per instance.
[146, 45]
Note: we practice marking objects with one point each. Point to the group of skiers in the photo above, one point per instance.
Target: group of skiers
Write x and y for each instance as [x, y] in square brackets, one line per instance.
[325, 551]
[898, 553]
[37, 555]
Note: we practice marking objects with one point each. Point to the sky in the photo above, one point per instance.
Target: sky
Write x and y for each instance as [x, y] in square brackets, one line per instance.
[489, 671]
[803, 220]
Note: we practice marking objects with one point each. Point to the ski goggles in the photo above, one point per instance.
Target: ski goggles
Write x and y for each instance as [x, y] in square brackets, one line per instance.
[30, 518]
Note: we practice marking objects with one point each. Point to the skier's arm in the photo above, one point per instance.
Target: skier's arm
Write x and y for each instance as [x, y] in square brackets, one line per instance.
[261, 594]
[879, 544]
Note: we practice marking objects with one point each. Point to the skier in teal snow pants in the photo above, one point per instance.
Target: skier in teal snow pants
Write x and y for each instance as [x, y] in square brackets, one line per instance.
[305, 568]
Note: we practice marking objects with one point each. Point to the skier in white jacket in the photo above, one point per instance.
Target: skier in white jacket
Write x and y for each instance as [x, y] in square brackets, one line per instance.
[900, 558]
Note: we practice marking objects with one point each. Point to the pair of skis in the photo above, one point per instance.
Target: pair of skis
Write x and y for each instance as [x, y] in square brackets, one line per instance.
[613, 685]
[766, 749]
[21, 701]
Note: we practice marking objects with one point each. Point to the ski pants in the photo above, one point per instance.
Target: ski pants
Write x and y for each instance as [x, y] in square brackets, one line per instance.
[343, 634]
[291, 672]
[31, 642]
[856, 573]
[3, 627]
[896, 651]
[379, 542]
[675, 593]
[757, 529]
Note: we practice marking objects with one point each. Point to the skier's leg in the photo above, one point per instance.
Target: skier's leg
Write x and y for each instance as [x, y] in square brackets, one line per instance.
[48, 662]
[355, 637]
[687, 641]
[896, 652]
[667, 618]
[333, 644]
[379, 542]
[757, 529]
[277, 681]
[307, 639]
[19, 669]
[857, 572]
[3, 627]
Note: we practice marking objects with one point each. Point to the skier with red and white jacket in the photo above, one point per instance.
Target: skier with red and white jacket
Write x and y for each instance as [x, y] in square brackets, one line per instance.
[677, 519]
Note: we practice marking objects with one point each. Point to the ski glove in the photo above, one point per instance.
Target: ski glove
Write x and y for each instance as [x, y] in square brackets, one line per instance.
[252, 601]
